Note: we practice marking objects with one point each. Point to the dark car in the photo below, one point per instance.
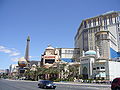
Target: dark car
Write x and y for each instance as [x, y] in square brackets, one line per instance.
[46, 84]
[115, 85]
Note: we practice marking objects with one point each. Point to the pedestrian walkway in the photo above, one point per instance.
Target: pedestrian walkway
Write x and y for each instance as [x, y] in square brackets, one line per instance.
[102, 86]
[79, 83]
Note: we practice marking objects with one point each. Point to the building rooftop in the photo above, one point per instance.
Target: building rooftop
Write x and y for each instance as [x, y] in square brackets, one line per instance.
[34, 63]
[90, 52]
[49, 47]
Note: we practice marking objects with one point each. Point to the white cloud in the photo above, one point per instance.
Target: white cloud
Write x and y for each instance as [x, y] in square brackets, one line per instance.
[34, 56]
[15, 59]
[2, 47]
[14, 54]
[11, 51]
[5, 50]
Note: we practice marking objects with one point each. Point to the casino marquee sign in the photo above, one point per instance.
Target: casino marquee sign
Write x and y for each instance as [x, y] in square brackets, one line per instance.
[49, 56]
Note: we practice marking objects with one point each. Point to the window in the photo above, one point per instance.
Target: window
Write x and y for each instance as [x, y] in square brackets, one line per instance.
[97, 67]
[50, 61]
[115, 19]
[90, 31]
[118, 29]
[78, 52]
[119, 18]
[104, 36]
[85, 24]
[98, 21]
[94, 68]
[94, 22]
[105, 23]
[102, 67]
[89, 23]
[72, 51]
[98, 37]
[110, 20]
[69, 51]
[94, 29]
[65, 51]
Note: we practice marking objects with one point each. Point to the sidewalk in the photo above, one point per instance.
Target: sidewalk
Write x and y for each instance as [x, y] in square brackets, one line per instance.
[84, 84]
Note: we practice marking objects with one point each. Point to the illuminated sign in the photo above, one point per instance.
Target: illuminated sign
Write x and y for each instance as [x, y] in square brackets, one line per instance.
[49, 56]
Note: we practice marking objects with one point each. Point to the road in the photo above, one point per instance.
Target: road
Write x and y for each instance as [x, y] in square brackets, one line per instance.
[32, 85]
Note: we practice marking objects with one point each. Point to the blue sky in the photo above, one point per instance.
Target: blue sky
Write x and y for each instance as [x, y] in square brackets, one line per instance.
[52, 22]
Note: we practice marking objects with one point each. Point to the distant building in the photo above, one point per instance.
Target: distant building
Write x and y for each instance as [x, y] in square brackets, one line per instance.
[7, 71]
[55, 55]
[34, 65]
[49, 57]
[68, 54]
[13, 69]
[2, 71]
[32, 62]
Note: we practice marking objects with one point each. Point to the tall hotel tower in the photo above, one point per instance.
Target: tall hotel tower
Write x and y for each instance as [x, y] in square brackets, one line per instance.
[100, 33]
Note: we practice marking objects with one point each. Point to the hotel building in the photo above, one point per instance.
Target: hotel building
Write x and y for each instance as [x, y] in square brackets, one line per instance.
[100, 32]
[98, 39]
[52, 56]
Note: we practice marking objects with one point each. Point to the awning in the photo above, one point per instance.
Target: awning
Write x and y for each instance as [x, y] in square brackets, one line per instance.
[101, 74]
[67, 60]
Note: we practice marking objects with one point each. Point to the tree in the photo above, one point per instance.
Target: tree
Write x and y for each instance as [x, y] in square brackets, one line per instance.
[47, 73]
[41, 72]
[73, 71]
[53, 73]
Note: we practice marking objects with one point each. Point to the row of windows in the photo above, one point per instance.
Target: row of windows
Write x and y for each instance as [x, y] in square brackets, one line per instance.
[98, 21]
[102, 36]
[72, 51]
[92, 22]
[68, 51]
[94, 30]
[98, 68]
[50, 61]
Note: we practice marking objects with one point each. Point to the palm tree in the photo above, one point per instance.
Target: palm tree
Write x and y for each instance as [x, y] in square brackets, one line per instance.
[73, 71]
[61, 69]
[42, 72]
[53, 73]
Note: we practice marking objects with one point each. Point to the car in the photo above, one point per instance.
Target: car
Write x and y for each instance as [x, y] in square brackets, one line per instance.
[46, 84]
[115, 85]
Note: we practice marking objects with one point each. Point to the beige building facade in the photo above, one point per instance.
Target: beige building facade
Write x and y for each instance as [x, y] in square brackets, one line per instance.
[98, 39]
[101, 32]
[53, 56]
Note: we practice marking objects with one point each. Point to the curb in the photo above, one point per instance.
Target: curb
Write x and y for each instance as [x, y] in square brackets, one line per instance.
[83, 84]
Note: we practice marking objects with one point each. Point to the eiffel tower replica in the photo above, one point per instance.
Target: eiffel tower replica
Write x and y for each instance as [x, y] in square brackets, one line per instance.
[27, 53]
[24, 62]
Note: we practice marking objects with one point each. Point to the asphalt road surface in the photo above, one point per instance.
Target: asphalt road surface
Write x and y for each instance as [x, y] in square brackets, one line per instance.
[28, 85]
